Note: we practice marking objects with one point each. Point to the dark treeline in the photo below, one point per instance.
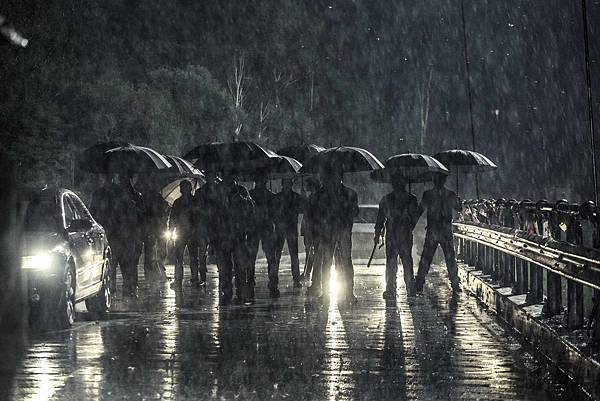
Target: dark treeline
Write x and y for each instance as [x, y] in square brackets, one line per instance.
[388, 76]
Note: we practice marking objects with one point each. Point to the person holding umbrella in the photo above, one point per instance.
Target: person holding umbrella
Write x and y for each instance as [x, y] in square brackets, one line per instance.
[290, 205]
[439, 203]
[333, 209]
[180, 223]
[398, 214]
[263, 232]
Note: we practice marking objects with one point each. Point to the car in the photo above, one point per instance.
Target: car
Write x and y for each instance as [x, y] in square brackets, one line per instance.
[65, 257]
[363, 231]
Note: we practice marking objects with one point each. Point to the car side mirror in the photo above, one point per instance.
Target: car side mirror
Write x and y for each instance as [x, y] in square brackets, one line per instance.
[79, 225]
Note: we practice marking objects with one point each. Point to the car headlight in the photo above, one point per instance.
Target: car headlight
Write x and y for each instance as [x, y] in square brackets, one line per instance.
[170, 235]
[40, 262]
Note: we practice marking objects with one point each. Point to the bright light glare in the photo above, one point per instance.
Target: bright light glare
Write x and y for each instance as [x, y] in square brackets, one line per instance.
[170, 235]
[40, 262]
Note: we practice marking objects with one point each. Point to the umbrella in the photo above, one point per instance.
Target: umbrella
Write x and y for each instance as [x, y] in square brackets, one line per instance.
[133, 159]
[414, 167]
[465, 161]
[345, 159]
[273, 168]
[171, 191]
[180, 168]
[93, 159]
[300, 152]
[218, 156]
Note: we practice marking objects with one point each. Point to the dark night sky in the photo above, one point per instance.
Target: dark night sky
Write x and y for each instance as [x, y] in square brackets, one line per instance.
[370, 64]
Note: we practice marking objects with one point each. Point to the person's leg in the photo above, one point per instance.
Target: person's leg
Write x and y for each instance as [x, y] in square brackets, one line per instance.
[241, 262]
[346, 267]
[134, 262]
[269, 245]
[317, 271]
[429, 246]
[179, 251]
[223, 252]
[447, 243]
[292, 240]
[405, 252]
[391, 268]
[202, 256]
[193, 252]
[148, 258]
[327, 251]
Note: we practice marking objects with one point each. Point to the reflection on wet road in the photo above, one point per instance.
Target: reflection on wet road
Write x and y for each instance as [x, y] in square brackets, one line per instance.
[165, 346]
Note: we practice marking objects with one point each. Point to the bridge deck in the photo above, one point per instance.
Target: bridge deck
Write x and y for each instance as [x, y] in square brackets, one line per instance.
[166, 347]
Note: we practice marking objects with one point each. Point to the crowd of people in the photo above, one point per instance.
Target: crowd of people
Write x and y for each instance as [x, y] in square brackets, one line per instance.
[225, 220]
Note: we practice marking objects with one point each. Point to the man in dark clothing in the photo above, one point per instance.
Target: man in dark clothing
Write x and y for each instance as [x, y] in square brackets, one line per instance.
[398, 213]
[155, 223]
[263, 231]
[119, 208]
[439, 203]
[180, 222]
[307, 230]
[208, 220]
[333, 209]
[234, 254]
[290, 204]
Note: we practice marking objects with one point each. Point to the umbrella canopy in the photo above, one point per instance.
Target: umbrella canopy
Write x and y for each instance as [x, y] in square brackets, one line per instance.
[346, 159]
[133, 159]
[180, 168]
[93, 159]
[465, 161]
[171, 192]
[273, 168]
[300, 152]
[218, 156]
[413, 167]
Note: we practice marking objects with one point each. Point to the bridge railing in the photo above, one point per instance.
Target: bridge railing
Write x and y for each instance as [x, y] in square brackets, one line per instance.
[547, 252]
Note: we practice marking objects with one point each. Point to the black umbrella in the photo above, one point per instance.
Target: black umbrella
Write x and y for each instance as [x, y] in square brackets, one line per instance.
[413, 167]
[346, 159]
[273, 168]
[300, 152]
[133, 159]
[218, 156]
[94, 160]
[180, 168]
[465, 161]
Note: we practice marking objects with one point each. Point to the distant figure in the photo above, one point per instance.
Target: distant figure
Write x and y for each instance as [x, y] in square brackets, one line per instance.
[155, 223]
[236, 251]
[398, 214]
[307, 230]
[332, 209]
[290, 205]
[439, 203]
[180, 222]
[264, 232]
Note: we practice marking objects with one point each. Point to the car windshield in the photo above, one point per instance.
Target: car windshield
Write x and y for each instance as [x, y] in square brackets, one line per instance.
[40, 215]
[366, 215]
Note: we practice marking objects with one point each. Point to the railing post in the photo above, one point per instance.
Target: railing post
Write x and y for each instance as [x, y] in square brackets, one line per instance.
[575, 304]
[486, 260]
[495, 264]
[522, 276]
[536, 281]
[553, 304]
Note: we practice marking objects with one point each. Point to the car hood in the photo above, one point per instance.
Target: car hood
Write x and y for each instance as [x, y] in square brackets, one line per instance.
[34, 243]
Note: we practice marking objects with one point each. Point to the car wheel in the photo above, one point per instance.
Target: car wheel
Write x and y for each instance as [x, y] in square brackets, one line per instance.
[100, 304]
[65, 312]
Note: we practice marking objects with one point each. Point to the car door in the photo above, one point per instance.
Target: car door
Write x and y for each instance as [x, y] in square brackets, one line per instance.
[78, 243]
[96, 240]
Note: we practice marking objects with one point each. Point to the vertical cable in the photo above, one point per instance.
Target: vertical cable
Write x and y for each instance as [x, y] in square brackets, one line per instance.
[588, 78]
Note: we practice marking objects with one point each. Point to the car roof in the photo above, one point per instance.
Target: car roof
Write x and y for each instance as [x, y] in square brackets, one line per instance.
[47, 193]
[368, 206]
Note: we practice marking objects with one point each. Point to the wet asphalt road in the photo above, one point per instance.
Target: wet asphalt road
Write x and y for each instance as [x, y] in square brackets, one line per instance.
[165, 346]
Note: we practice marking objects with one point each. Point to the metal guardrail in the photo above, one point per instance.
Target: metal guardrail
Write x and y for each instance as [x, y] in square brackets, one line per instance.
[542, 268]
